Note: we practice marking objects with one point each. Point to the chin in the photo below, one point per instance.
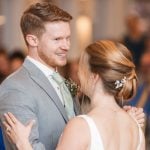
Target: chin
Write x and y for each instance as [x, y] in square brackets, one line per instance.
[62, 63]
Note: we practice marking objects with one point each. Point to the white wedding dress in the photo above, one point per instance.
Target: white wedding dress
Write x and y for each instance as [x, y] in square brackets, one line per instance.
[96, 140]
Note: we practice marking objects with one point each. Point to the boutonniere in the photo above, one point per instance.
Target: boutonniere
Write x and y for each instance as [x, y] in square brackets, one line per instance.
[72, 86]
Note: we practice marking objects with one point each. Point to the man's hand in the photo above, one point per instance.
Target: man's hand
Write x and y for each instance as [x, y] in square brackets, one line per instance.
[136, 113]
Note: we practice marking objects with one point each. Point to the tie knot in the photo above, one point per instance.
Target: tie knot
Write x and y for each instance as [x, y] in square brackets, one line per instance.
[57, 77]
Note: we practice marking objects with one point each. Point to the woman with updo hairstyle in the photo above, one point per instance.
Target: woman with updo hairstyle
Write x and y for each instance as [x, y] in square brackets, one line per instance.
[107, 76]
[113, 63]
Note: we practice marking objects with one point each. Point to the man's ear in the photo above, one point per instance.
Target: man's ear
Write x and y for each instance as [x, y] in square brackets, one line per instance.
[32, 40]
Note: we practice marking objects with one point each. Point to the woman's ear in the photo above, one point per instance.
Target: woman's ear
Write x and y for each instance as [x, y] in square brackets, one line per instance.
[95, 77]
[32, 40]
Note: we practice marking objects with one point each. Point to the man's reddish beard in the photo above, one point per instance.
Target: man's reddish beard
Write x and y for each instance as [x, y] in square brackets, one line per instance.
[49, 61]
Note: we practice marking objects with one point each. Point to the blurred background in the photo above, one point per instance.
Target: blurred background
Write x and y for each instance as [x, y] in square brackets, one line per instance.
[126, 21]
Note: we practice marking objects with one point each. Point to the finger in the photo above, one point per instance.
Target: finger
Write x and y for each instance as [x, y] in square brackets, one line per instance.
[13, 118]
[141, 121]
[141, 124]
[140, 116]
[7, 129]
[6, 125]
[131, 111]
[8, 120]
[126, 108]
[139, 111]
[30, 124]
[9, 137]
[134, 109]
[9, 133]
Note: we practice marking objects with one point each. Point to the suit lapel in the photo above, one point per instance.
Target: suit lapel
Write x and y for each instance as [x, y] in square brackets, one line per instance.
[39, 78]
[76, 106]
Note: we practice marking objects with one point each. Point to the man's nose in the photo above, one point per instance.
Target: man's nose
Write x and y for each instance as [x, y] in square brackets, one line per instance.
[65, 44]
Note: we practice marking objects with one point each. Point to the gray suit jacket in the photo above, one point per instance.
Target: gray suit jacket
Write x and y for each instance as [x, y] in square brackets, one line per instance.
[28, 94]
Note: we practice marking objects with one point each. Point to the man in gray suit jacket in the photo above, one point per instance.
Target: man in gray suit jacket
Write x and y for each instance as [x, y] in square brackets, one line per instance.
[31, 93]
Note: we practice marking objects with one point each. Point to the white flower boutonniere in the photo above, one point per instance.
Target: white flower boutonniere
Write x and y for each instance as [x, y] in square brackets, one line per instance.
[72, 86]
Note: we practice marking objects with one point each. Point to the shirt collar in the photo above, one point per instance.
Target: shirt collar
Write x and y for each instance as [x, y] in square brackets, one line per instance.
[46, 70]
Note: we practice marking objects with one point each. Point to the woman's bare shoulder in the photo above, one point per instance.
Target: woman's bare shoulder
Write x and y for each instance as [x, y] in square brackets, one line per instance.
[76, 135]
[77, 124]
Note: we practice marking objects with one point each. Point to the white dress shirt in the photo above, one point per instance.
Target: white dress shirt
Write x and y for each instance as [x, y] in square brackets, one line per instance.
[48, 72]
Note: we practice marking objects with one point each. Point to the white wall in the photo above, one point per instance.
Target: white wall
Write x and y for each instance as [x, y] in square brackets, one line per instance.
[12, 36]
[109, 18]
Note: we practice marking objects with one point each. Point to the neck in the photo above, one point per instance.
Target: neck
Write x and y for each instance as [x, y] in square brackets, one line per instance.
[101, 99]
[105, 101]
[33, 54]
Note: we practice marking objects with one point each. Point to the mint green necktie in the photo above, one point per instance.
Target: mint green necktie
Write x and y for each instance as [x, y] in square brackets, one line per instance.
[66, 96]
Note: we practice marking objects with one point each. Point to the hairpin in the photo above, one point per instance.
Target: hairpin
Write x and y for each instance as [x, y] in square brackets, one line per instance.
[120, 83]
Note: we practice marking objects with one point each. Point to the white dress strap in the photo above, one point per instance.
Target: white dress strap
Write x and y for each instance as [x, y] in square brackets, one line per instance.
[140, 134]
[140, 138]
[96, 140]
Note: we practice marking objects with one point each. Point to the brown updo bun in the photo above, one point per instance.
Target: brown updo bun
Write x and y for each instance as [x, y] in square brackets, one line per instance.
[113, 61]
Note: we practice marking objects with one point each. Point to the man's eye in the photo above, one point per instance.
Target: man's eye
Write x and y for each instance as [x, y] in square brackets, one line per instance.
[68, 39]
[57, 39]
